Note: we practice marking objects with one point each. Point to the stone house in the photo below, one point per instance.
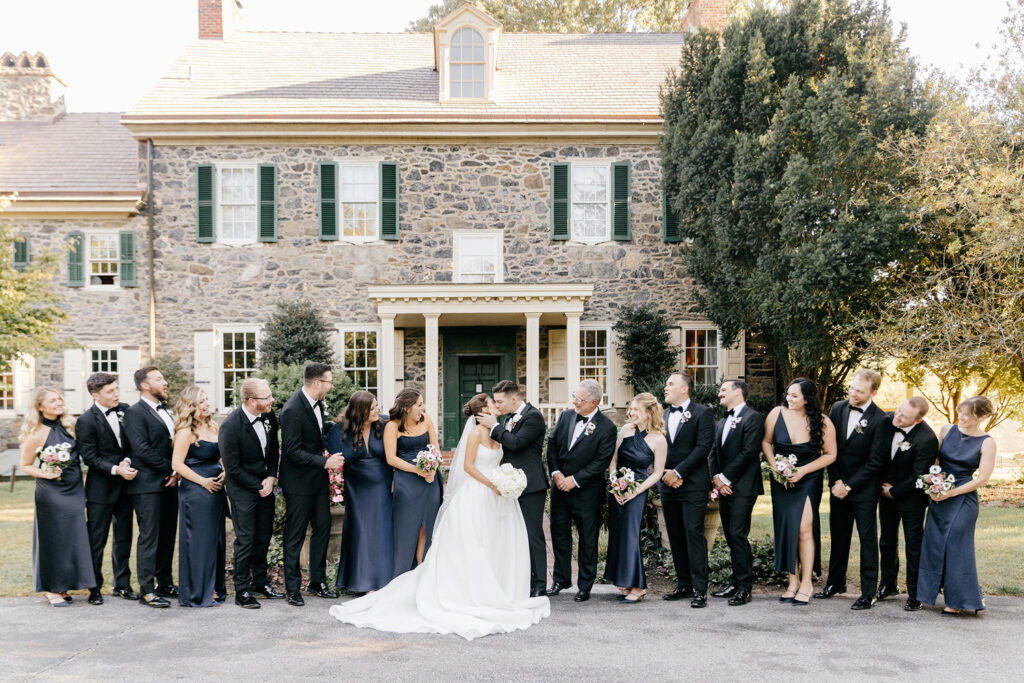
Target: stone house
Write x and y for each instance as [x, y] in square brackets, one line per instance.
[465, 205]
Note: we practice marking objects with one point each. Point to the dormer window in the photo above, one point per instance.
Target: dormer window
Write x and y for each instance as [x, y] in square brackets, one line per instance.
[466, 55]
[467, 63]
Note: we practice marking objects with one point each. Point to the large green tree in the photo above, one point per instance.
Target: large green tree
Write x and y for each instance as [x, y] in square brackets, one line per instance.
[570, 16]
[776, 156]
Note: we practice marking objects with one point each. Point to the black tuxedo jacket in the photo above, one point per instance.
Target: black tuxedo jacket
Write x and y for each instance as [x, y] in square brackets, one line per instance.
[151, 445]
[903, 469]
[689, 450]
[245, 463]
[302, 448]
[589, 457]
[100, 451]
[739, 458]
[523, 445]
[856, 463]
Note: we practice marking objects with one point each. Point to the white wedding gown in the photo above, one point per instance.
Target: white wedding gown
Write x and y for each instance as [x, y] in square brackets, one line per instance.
[474, 580]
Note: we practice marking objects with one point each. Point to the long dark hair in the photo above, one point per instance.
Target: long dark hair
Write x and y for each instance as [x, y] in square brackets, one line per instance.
[815, 420]
[356, 413]
[405, 400]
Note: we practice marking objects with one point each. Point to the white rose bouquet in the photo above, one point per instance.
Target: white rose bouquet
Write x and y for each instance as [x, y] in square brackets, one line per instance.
[510, 481]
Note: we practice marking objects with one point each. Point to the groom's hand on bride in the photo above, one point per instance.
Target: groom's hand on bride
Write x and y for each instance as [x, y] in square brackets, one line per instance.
[487, 420]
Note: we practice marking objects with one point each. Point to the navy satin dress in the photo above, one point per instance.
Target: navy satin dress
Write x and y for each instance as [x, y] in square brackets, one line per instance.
[201, 531]
[624, 564]
[788, 503]
[61, 559]
[414, 505]
[947, 547]
[367, 543]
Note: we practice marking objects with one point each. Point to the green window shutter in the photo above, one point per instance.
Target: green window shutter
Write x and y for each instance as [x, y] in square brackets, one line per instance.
[76, 259]
[204, 203]
[669, 221]
[21, 258]
[620, 201]
[328, 201]
[126, 265]
[268, 203]
[388, 200]
[560, 201]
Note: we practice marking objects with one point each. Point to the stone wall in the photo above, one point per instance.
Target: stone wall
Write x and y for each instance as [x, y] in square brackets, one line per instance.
[27, 94]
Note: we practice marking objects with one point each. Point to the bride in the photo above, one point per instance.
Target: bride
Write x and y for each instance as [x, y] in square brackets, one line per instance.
[475, 579]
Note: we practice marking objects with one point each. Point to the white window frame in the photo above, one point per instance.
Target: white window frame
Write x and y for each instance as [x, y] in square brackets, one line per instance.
[218, 342]
[15, 381]
[691, 326]
[592, 163]
[19, 391]
[483, 63]
[218, 229]
[87, 258]
[342, 329]
[610, 371]
[375, 237]
[499, 250]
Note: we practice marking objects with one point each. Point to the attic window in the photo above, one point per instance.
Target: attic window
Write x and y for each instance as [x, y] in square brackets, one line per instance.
[467, 64]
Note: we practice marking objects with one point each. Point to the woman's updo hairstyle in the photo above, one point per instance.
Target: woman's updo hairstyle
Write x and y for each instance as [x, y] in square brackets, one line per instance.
[475, 405]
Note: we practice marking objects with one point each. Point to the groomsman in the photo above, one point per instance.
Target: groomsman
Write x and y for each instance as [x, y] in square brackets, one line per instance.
[521, 435]
[304, 465]
[736, 462]
[579, 451]
[149, 428]
[249, 450]
[685, 487]
[909, 446]
[854, 480]
[105, 451]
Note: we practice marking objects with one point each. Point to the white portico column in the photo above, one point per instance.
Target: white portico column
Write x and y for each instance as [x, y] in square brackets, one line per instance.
[572, 351]
[386, 370]
[533, 358]
[431, 390]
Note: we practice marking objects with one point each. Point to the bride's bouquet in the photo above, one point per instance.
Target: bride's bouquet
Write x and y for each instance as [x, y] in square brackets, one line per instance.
[623, 482]
[54, 458]
[935, 481]
[509, 480]
[784, 467]
[428, 460]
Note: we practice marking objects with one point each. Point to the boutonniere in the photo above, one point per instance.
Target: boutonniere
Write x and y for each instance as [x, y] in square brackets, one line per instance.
[735, 420]
[120, 417]
[514, 420]
[686, 415]
[589, 428]
[861, 426]
[904, 446]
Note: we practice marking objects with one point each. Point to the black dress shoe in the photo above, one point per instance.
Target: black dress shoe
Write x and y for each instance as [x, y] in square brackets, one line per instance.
[153, 600]
[912, 605]
[678, 594]
[537, 593]
[726, 592]
[126, 593]
[742, 597]
[167, 591]
[582, 596]
[829, 592]
[887, 591]
[862, 603]
[247, 600]
[268, 592]
[296, 600]
[94, 596]
[321, 591]
[556, 588]
[699, 600]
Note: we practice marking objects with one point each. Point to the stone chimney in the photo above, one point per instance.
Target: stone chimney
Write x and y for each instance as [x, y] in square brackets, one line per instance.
[28, 89]
[709, 14]
[218, 18]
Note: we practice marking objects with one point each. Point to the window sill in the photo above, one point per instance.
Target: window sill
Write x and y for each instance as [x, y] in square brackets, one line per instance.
[237, 243]
[590, 240]
[359, 240]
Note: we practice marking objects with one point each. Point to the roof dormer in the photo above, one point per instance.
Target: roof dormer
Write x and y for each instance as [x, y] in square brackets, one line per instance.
[466, 54]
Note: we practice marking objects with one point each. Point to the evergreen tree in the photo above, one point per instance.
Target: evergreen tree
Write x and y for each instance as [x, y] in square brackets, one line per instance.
[643, 342]
[296, 334]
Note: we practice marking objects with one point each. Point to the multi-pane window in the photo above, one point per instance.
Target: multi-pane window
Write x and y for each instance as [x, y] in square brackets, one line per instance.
[239, 362]
[467, 63]
[102, 254]
[594, 358]
[359, 196]
[103, 360]
[237, 205]
[359, 358]
[590, 202]
[478, 257]
[7, 387]
[700, 348]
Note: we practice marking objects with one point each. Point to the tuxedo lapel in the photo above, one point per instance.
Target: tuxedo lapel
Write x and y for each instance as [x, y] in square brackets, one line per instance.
[102, 417]
[844, 417]
[154, 417]
[664, 418]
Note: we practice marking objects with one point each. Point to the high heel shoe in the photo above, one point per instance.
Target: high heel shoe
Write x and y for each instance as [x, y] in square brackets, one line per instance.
[801, 603]
[639, 598]
[785, 598]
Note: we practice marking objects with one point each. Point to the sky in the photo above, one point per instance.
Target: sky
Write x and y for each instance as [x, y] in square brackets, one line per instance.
[108, 52]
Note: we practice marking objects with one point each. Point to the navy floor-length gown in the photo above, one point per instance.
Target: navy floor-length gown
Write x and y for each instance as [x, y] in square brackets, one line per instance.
[947, 547]
[61, 559]
[788, 503]
[201, 531]
[415, 504]
[624, 564]
[367, 541]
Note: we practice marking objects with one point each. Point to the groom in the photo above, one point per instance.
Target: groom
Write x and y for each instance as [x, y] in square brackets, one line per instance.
[521, 435]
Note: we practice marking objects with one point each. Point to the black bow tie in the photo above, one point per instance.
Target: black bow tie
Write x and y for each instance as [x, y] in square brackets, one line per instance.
[858, 409]
[260, 418]
[320, 405]
[161, 406]
[675, 409]
[580, 418]
[730, 412]
[110, 410]
[902, 431]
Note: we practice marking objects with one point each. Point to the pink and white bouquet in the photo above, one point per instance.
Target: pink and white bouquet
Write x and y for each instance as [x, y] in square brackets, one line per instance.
[935, 481]
[623, 482]
[428, 460]
[510, 481]
[54, 458]
[785, 465]
[337, 480]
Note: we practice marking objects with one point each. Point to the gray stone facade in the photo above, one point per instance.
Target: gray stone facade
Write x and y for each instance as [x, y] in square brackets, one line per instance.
[27, 91]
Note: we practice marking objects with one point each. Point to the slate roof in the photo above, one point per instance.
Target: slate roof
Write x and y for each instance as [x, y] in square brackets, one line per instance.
[76, 153]
[390, 76]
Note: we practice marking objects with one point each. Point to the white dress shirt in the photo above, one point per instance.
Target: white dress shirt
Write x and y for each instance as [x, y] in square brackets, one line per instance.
[675, 419]
[258, 427]
[115, 425]
[316, 410]
[897, 439]
[854, 418]
[730, 423]
[164, 415]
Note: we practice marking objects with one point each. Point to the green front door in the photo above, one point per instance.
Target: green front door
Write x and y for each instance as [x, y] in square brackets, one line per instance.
[477, 374]
[473, 359]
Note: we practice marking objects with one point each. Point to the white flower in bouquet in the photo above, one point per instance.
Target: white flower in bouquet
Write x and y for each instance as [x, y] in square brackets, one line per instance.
[510, 481]
[785, 465]
[934, 469]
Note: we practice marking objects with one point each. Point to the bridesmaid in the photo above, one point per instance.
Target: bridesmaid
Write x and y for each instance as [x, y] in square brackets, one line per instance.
[367, 545]
[417, 495]
[798, 429]
[947, 548]
[642, 448]
[201, 501]
[60, 540]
